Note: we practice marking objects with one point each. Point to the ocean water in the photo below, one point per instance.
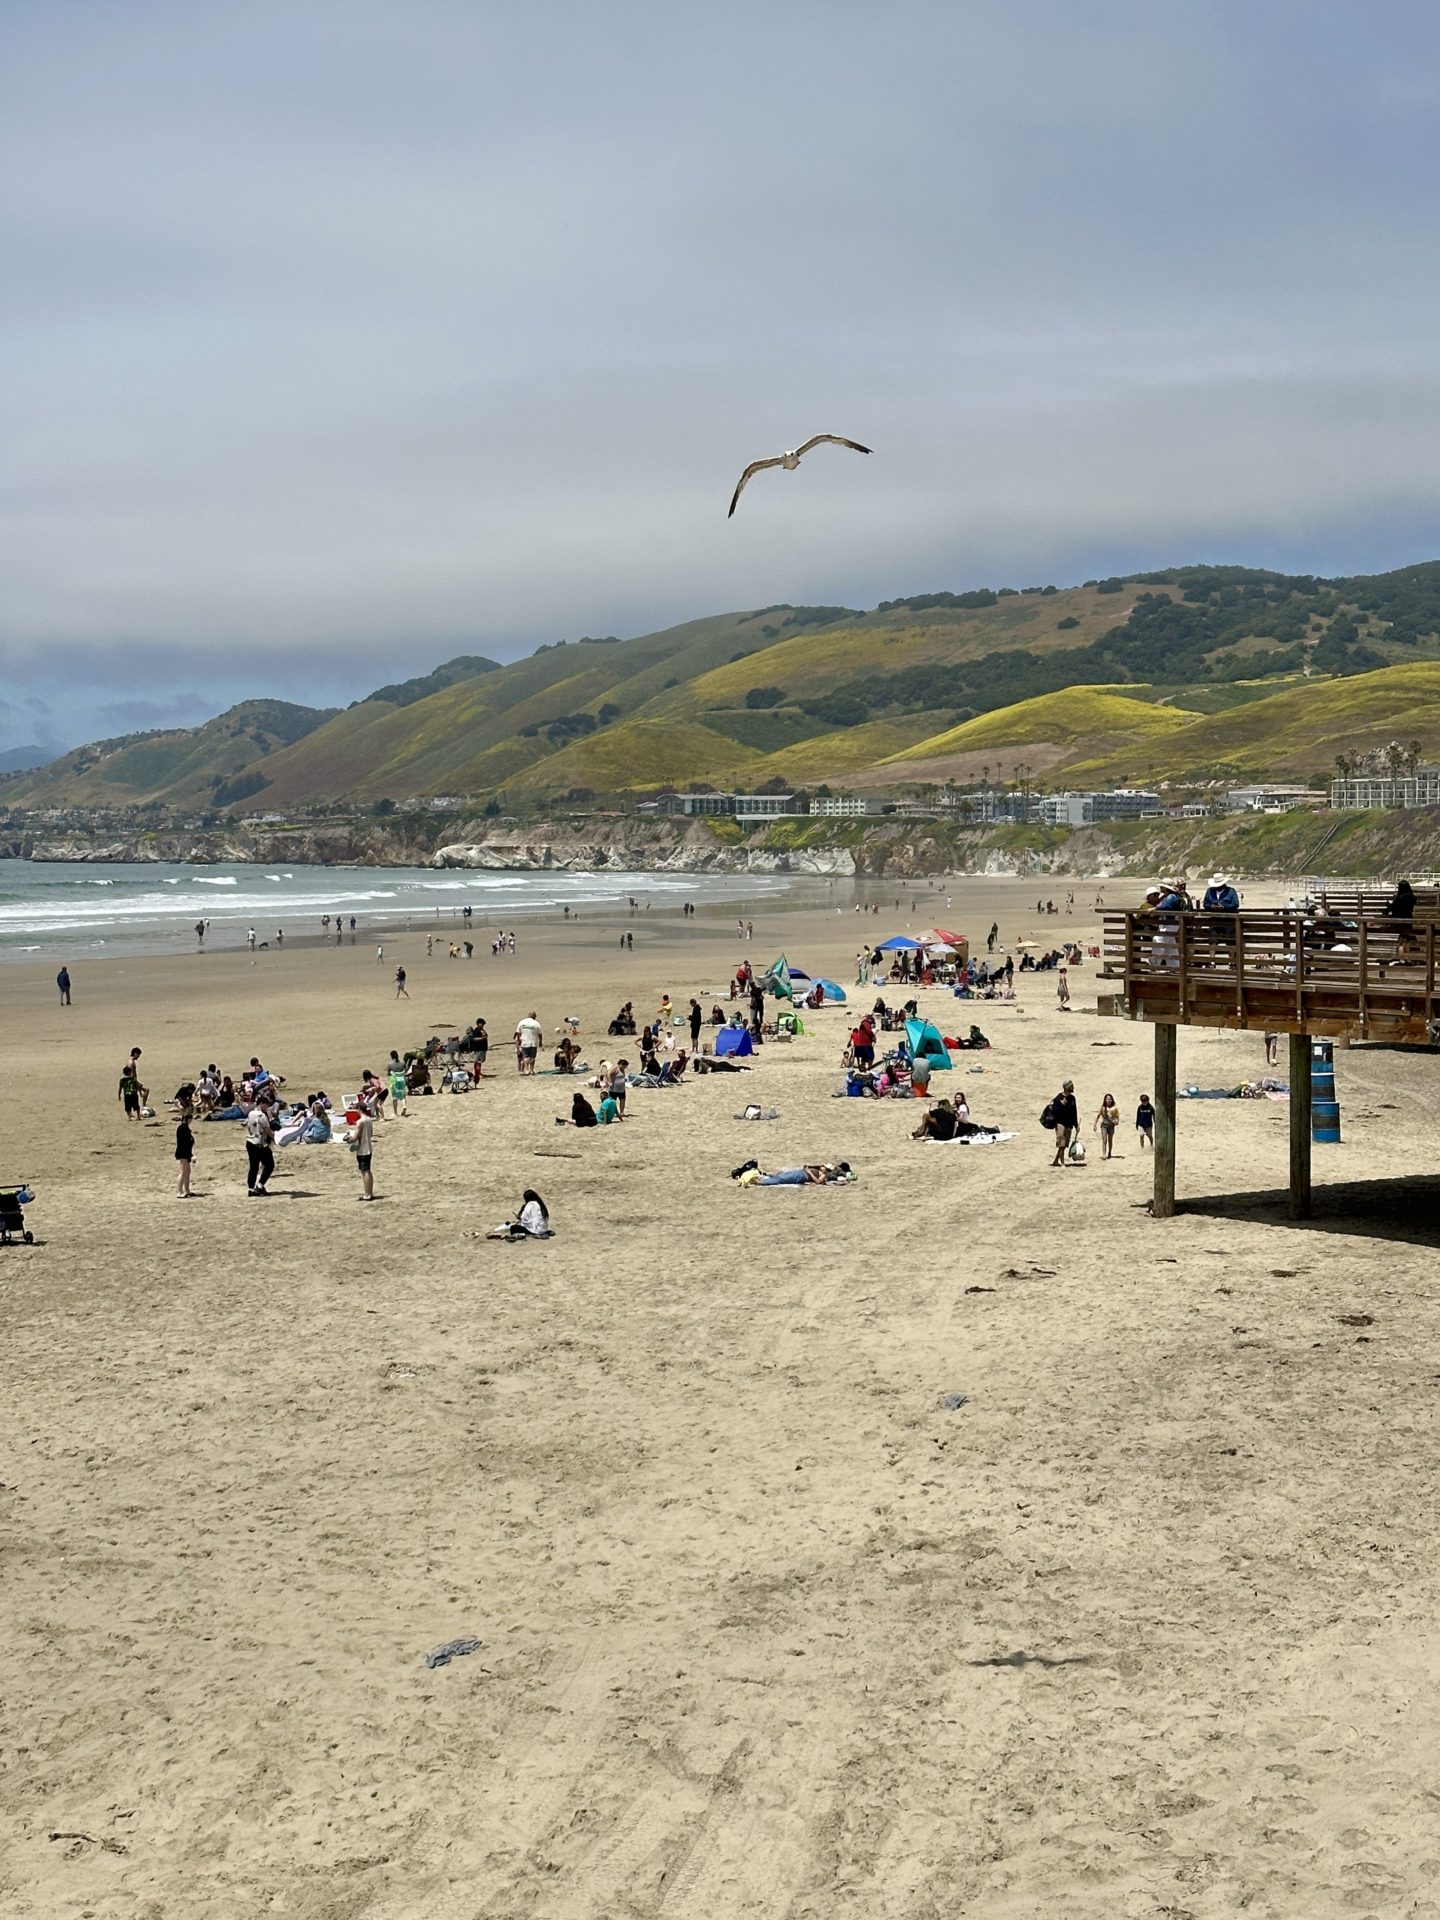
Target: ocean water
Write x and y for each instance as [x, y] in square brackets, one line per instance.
[74, 911]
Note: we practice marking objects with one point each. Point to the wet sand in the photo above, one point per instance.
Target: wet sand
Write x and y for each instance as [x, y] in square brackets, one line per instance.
[1144, 1627]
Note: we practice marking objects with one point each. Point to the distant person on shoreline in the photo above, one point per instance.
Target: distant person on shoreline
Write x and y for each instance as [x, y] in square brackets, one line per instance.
[62, 981]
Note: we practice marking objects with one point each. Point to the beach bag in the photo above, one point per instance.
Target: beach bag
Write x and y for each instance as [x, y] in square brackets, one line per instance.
[1076, 1153]
[1047, 1117]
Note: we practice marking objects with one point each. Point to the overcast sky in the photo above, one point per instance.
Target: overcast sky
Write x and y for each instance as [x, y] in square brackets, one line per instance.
[337, 339]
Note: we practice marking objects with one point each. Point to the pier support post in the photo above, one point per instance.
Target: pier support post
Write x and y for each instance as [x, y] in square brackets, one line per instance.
[1163, 1206]
[1299, 1126]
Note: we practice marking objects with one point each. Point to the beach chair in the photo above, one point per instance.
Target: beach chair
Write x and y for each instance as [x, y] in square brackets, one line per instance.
[13, 1202]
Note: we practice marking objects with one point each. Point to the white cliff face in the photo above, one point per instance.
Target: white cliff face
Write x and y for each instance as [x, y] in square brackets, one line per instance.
[520, 854]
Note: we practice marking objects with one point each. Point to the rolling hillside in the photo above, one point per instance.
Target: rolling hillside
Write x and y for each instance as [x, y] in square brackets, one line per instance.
[213, 765]
[1190, 674]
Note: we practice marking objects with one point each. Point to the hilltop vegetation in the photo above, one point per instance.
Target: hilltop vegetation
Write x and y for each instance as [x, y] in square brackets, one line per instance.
[1187, 674]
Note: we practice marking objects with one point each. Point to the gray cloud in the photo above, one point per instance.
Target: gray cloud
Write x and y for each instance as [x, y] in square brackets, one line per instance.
[339, 338]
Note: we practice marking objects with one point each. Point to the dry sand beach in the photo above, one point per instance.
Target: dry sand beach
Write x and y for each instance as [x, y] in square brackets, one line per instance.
[1146, 1627]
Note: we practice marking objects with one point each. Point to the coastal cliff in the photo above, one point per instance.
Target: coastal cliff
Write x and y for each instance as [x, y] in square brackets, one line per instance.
[1391, 842]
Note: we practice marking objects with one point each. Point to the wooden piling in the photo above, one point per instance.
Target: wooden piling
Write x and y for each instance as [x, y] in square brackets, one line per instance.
[1299, 1126]
[1164, 1098]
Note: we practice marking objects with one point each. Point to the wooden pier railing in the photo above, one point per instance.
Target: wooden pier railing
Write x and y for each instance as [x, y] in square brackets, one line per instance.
[1358, 976]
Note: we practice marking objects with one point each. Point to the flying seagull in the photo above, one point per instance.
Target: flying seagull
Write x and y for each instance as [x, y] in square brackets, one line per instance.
[792, 460]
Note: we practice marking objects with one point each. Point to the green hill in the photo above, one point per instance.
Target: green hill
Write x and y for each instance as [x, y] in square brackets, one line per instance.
[1181, 674]
[215, 765]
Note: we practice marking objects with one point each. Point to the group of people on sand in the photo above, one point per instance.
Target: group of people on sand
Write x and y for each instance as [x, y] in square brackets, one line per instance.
[1061, 1118]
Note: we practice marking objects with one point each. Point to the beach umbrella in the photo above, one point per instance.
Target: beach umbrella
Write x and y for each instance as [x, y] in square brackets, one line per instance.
[833, 992]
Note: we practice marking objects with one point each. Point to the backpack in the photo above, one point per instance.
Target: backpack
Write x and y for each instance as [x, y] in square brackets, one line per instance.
[1047, 1117]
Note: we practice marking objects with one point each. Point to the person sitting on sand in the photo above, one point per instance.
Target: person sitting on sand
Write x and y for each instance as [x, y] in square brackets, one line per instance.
[582, 1114]
[938, 1124]
[565, 1055]
[609, 1111]
[531, 1223]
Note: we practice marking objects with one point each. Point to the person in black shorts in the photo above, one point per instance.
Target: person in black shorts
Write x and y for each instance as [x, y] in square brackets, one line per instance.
[363, 1142]
[129, 1094]
[184, 1154]
[1145, 1121]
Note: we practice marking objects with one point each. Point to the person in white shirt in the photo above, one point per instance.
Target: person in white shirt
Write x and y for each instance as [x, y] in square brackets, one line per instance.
[528, 1041]
[259, 1134]
[531, 1223]
[362, 1139]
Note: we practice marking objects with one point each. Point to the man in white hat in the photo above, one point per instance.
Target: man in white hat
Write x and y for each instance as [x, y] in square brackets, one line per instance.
[1221, 898]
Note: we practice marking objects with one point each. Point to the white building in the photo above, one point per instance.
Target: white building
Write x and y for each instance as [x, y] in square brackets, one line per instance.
[846, 806]
[1418, 789]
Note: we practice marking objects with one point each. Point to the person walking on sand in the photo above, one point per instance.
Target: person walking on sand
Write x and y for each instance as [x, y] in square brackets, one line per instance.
[250, 939]
[1065, 1118]
[62, 981]
[129, 1093]
[1272, 1049]
[1145, 1122]
[184, 1154]
[1106, 1121]
[1062, 989]
[401, 992]
[529, 1038]
[362, 1144]
[379, 955]
[259, 1151]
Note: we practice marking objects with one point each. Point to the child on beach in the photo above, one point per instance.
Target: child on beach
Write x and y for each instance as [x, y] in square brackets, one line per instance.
[1145, 1121]
[184, 1154]
[1107, 1120]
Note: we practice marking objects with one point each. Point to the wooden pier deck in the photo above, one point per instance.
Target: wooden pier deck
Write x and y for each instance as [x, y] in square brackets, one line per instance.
[1354, 976]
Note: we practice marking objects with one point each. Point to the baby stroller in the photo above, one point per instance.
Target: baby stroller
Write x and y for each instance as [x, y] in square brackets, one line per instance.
[13, 1202]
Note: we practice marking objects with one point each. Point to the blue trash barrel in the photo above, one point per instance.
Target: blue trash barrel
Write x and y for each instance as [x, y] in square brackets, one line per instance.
[1325, 1122]
[1324, 1106]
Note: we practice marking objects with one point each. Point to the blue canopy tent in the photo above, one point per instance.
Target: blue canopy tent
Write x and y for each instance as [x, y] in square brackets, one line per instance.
[899, 943]
[924, 1037]
[737, 1040]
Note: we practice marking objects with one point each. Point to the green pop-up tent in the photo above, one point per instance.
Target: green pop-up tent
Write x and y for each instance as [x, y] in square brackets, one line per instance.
[923, 1036]
[777, 980]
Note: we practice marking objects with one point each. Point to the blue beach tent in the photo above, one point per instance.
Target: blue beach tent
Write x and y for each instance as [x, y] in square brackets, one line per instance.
[737, 1040]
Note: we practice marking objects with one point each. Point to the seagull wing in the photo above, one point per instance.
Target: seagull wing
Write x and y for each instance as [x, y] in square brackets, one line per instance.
[754, 467]
[830, 440]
